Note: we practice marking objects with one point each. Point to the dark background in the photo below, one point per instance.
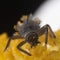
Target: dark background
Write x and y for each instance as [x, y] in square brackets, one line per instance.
[11, 11]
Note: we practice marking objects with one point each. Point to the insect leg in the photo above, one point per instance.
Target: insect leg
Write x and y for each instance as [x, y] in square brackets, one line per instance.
[22, 43]
[44, 30]
[46, 33]
[51, 32]
[8, 43]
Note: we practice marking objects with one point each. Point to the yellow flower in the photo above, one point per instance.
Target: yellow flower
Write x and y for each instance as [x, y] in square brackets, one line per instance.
[40, 52]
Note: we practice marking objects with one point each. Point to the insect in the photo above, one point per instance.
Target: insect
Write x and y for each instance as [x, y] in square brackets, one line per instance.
[30, 30]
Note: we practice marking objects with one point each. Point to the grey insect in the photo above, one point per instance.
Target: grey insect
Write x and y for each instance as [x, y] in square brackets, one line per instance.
[30, 30]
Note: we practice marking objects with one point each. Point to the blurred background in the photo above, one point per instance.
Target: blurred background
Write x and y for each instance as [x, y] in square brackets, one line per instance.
[47, 10]
[11, 11]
